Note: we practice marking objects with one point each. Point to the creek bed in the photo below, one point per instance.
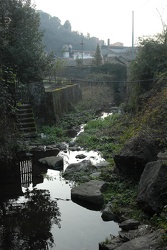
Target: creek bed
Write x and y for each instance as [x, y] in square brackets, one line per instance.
[37, 212]
[81, 229]
[75, 228]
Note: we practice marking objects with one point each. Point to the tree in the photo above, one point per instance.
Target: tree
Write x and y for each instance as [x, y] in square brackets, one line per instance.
[67, 25]
[148, 65]
[55, 35]
[21, 57]
[98, 59]
[24, 50]
[56, 69]
[150, 61]
[7, 79]
[79, 62]
[117, 70]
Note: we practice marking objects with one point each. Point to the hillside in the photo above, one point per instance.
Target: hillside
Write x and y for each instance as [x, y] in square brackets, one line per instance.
[57, 34]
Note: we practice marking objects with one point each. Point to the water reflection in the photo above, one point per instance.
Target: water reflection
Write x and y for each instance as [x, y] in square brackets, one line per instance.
[10, 182]
[26, 173]
[26, 218]
[27, 225]
[31, 198]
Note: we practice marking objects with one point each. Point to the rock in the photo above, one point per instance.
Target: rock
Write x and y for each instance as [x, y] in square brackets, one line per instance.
[149, 241]
[62, 146]
[32, 147]
[95, 175]
[83, 166]
[116, 241]
[84, 178]
[115, 110]
[152, 191]
[102, 164]
[71, 132]
[129, 224]
[54, 162]
[75, 148]
[162, 155]
[132, 234]
[81, 156]
[41, 151]
[89, 193]
[51, 146]
[28, 154]
[107, 214]
[135, 155]
[72, 143]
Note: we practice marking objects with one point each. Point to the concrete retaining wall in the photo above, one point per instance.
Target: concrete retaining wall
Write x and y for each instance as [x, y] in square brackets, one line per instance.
[49, 106]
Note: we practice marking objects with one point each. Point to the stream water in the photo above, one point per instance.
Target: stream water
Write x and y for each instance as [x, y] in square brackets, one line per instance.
[37, 213]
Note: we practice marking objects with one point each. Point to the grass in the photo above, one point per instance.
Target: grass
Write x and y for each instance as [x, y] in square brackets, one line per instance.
[105, 135]
[122, 194]
[58, 132]
[52, 134]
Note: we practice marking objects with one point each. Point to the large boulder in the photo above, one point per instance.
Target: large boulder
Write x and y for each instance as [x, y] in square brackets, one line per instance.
[53, 162]
[129, 224]
[39, 151]
[134, 155]
[82, 166]
[146, 242]
[89, 194]
[140, 239]
[107, 214]
[152, 192]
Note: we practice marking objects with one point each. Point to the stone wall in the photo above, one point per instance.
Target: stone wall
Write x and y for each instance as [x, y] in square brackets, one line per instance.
[49, 106]
[61, 100]
[38, 101]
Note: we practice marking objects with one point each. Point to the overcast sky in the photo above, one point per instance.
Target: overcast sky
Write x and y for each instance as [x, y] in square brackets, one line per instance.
[109, 19]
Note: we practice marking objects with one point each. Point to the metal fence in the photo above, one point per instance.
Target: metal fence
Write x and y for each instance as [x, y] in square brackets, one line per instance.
[26, 173]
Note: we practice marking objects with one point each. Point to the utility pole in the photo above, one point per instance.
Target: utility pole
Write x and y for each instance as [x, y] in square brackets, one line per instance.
[132, 35]
[82, 43]
[108, 47]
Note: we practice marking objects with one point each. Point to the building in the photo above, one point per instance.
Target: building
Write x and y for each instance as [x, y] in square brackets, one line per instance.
[117, 50]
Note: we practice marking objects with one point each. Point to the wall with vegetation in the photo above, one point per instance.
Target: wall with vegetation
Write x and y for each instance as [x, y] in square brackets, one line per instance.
[77, 72]
[61, 100]
[99, 94]
[49, 106]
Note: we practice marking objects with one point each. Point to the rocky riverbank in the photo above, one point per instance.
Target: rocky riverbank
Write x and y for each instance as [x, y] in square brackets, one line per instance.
[134, 234]
[134, 176]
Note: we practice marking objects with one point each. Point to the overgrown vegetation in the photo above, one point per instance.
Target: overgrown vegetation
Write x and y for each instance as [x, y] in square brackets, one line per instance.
[147, 68]
[122, 195]
[69, 124]
[99, 134]
[22, 48]
[8, 131]
[22, 58]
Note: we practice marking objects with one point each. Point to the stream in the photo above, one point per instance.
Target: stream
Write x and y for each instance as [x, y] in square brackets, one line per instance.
[37, 213]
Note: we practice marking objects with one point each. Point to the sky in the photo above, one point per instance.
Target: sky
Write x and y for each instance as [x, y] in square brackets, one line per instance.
[109, 19]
